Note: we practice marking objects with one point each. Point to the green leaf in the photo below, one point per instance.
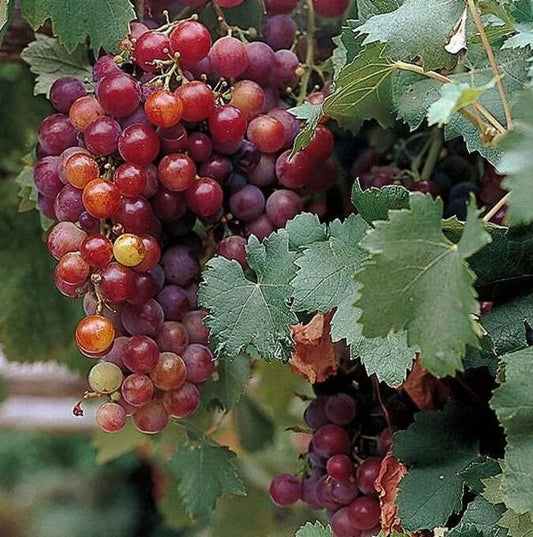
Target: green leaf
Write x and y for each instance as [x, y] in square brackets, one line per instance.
[363, 90]
[104, 23]
[513, 404]
[49, 61]
[454, 97]
[37, 323]
[516, 162]
[480, 518]
[314, 530]
[480, 469]
[6, 8]
[437, 447]
[348, 46]
[255, 427]
[415, 270]
[493, 491]
[311, 114]
[375, 203]
[518, 525]
[170, 505]
[304, 230]
[505, 324]
[401, 31]
[245, 312]
[206, 471]
[327, 268]
[233, 377]
[367, 9]
[28, 193]
[112, 446]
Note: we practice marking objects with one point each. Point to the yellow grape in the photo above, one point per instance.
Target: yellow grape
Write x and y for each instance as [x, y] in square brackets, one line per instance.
[129, 250]
[105, 377]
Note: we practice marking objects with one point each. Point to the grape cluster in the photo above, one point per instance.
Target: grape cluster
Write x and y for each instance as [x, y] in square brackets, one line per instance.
[335, 479]
[179, 130]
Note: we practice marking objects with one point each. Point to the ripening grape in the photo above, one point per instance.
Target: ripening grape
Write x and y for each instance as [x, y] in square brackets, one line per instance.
[94, 335]
[105, 377]
[129, 250]
[111, 417]
[285, 490]
[169, 372]
[151, 418]
[183, 402]
[137, 390]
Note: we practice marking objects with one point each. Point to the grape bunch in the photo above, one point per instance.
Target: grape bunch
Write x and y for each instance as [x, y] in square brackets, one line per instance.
[180, 131]
[337, 477]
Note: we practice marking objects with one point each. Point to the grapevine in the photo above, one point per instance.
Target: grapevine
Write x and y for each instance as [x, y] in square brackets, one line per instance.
[337, 188]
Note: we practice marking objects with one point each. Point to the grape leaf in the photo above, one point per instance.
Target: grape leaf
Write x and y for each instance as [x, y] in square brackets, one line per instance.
[314, 530]
[105, 23]
[233, 377]
[112, 446]
[170, 505]
[516, 162]
[518, 525]
[363, 90]
[367, 9]
[505, 324]
[400, 30]
[6, 9]
[205, 471]
[304, 230]
[480, 469]
[245, 312]
[49, 61]
[415, 270]
[36, 321]
[255, 427]
[437, 447]
[480, 518]
[348, 46]
[522, 12]
[326, 268]
[493, 491]
[454, 97]
[375, 203]
[513, 404]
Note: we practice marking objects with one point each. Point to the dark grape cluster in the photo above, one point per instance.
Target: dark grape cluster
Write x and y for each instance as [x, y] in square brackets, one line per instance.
[181, 129]
[335, 478]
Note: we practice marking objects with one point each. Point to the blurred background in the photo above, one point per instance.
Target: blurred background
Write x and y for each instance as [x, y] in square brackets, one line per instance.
[58, 477]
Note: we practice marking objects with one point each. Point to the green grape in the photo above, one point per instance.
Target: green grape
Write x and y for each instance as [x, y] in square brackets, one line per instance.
[105, 377]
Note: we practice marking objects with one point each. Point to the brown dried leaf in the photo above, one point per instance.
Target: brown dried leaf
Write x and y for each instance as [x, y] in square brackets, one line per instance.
[390, 474]
[314, 355]
[424, 389]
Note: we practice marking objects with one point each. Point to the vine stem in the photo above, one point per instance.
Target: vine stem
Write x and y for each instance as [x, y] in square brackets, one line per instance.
[225, 28]
[488, 217]
[433, 154]
[492, 60]
[310, 53]
[472, 117]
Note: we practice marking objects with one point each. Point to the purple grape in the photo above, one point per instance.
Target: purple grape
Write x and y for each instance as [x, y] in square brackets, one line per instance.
[282, 206]
[172, 337]
[179, 265]
[285, 68]
[309, 492]
[65, 91]
[46, 178]
[279, 31]
[342, 524]
[247, 204]
[194, 323]
[315, 413]
[174, 301]
[56, 134]
[144, 318]
[260, 62]
[367, 474]
[331, 440]
[264, 174]
[285, 490]
[340, 409]
[101, 136]
[68, 204]
[343, 493]
[200, 363]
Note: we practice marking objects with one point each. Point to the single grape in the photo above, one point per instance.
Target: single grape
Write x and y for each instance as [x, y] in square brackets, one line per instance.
[169, 372]
[135, 215]
[137, 390]
[149, 48]
[340, 467]
[169, 206]
[200, 147]
[275, 7]
[196, 329]
[46, 178]
[73, 269]
[247, 204]
[309, 492]
[205, 197]
[364, 513]
[261, 228]
[342, 524]
[330, 8]
[105, 377]
[227, 123]
[128, 249]
[248, 97]
[200, 363]
[139, 144]
[183, 402]
[260, 62]
[104, 65]
[228, 57]
[173, 337]
[174, 301]
[140, 354]
[151, 419]
[217, 167]
[65, 237]
[84, 111]
[130, 179]
[163, 108]
[267, 133]
[367, 474]
[285, 490]
[114, 355]
[145, 288]
[331, 440]
[81, 169]
[180, 266]
[117, 282]
[101, 136]
[293, 172]
[65, 91]
[192, 40]
[111, 417]
[68, 205]
[234, 248]
[57, 133]
[282, 205]
[144, 318]
[177, 172]
[344, 492]
[340, 409]
[97, 250]
[173, 139]
[279, 31]
[264, 174]
[101, 198]
[385, 440]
